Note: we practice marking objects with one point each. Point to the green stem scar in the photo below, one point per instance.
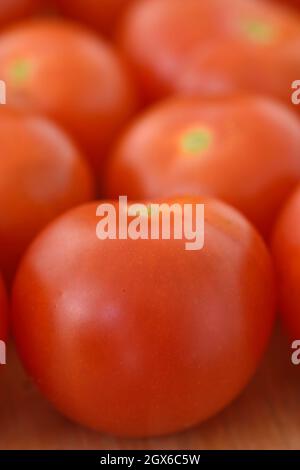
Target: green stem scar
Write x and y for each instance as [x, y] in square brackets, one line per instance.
[20, 72]
[259, 31]
[196, 141]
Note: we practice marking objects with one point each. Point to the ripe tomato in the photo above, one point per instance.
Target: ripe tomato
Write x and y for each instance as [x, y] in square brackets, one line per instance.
[68, 74]
[212, 47]
[3, 312]
[288, 3]
[286, 251]
[242, 149]
[42, 174]
[141, 337]
[11, 10]
[99, 14]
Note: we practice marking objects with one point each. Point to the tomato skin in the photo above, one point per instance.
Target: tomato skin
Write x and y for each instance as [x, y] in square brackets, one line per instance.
[136, 341]
[70, 75]
[211, 48]
[3, 312]
[42, 174]
[288, 3]
[286, 253]
[12, 10]
[99, 14]
[252, 162]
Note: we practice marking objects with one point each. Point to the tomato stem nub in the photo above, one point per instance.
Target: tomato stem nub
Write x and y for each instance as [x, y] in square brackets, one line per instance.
[20, 71]
[196, 141]
[259, 31]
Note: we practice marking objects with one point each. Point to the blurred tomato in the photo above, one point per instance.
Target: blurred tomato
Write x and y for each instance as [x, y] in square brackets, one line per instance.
[42, 174]
[287, 3]
[99, 14]
[3, 312]
[286, 251]
[242, 149]
[212, 47]
[68, 74]
[136, 342]
[11, 10]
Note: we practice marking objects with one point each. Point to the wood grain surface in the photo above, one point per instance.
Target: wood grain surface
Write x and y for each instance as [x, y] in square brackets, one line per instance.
[265, 416]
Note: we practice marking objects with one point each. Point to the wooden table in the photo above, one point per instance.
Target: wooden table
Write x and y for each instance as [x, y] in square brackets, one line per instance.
[265, 416]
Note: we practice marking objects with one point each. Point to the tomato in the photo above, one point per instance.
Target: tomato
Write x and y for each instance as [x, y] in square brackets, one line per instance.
[42, 174]
[11, 10]
[99, 14]
[242, 149]
[3, 312]
[142, 337]
[211, 48]
[61, 70]
[288, 3]
[286, 251]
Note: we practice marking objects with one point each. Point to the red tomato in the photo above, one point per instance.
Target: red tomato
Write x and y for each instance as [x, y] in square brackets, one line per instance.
[68, 74]
[3, 312]
[11, 10]
[42, 174]
[141, 337]
[286, 251]
[288, 3]
[244, 150]
[99, 14]
[212, 47]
